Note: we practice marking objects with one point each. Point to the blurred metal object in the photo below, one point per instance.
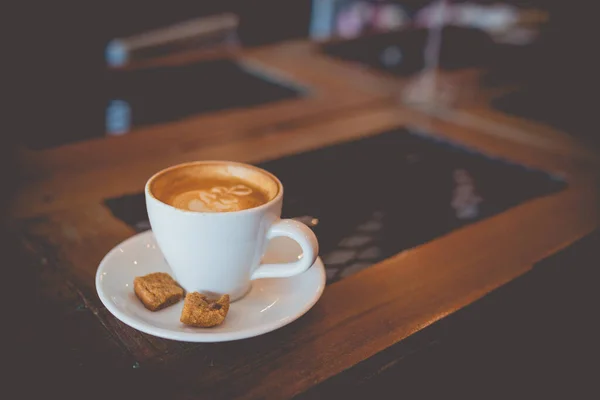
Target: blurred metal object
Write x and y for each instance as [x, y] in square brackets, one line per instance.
[204, 32]
[426, 90]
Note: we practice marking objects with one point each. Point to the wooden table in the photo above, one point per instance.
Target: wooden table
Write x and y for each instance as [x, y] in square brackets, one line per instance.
[63, 229]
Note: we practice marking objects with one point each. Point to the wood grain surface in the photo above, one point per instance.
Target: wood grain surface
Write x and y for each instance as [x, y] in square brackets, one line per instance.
[64, 230]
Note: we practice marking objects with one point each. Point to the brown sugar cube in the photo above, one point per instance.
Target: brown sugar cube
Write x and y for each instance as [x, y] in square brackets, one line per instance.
[198, 310]
[157, 290]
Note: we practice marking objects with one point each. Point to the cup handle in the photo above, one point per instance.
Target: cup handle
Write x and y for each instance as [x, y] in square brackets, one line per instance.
[307, 240]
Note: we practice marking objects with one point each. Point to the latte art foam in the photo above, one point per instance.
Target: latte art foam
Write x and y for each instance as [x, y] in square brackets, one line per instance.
[216, 199]
[214, 187]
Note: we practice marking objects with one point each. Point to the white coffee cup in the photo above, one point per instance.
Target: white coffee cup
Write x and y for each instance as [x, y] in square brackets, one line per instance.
[220, 252]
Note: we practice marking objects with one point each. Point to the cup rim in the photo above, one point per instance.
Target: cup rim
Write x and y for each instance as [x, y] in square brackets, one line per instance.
[278, 196]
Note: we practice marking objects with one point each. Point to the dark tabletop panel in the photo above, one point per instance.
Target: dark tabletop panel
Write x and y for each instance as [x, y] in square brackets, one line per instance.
[137, 98]
[374, 197]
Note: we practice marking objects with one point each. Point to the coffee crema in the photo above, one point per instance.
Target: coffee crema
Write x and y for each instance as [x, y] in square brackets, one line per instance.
[218, 187]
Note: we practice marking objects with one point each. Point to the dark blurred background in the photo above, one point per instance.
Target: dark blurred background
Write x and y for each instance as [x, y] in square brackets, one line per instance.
[62, 83]
[61, 65]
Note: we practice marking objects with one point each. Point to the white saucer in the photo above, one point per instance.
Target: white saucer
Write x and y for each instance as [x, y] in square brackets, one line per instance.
[270, 304]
